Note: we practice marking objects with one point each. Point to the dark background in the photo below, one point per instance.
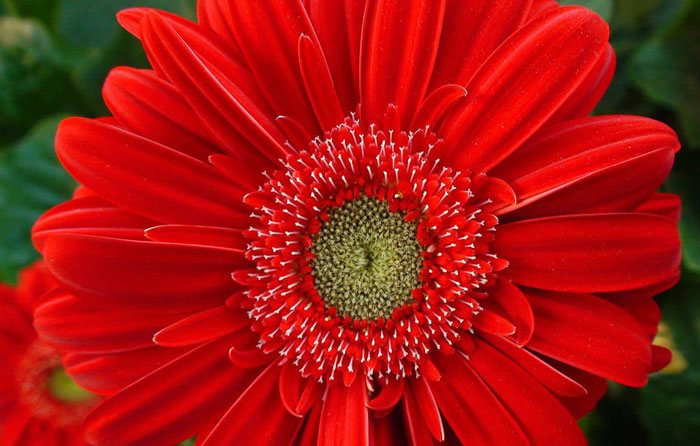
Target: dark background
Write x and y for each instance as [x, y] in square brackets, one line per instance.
[54, 55]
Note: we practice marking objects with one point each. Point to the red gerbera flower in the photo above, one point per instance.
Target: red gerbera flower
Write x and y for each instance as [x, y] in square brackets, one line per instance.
[39, 404]
[354, 223]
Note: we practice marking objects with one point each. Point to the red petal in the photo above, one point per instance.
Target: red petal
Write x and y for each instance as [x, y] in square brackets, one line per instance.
[542, 417]
[214, 15]
[434, 107]
[541, 6]
[665, 205]
[425, 401]
[589, 93]
[344, 420]
[416, 428]
[291, 384]
[473, 412]
[163, 184]
[88, 215]
[207, 44]
[220, 103]
[198, 235]
[641, 306]
[389, 430]
[388, 397]
[660, 358]
[512, 302]
[400, 42]
[490, 322]
[201, 327]
[250, 358]
[270, 49]
[595, 386]
[591, 334]
[338, 24]
[590, 253]
[144, 274]
[172, 403]
[106, 374]
[319, 84]
[80, 325]
[471, 32]
[258, 416]
[593, 165]
[522, 84]
[550, 377]
[151, 107]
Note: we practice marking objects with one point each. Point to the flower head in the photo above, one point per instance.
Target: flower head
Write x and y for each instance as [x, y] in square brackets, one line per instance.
[351, 222]
[39, 403]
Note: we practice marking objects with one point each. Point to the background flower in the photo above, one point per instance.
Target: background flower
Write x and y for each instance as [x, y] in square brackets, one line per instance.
[650, 72]
[39, 403]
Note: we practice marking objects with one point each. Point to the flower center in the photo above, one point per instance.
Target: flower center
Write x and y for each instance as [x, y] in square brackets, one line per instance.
[368, 253]
[48, 391]
[367, 259]
[64, 389]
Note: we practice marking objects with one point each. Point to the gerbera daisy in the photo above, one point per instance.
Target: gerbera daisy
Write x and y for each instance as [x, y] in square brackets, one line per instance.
[39, 403]
[349, 222]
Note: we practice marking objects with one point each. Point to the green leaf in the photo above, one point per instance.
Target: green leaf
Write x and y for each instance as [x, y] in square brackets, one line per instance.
[665, 69]
[42, 10]
[670, 405]
[686, 185]
[93, 23]
[31, 181]
[32, 82]
[603, 7]
[100, 45]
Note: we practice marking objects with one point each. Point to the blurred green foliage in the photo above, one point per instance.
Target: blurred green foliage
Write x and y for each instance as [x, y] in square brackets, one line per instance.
[55, 54]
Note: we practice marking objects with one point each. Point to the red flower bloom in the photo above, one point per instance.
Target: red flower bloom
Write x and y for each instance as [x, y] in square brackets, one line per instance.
[39, 404]
[348, 223]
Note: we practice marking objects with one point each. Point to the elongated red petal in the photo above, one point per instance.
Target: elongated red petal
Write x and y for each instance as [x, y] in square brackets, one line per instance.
[88, 215]
[95, 372]
[425, 401]
[549, 376]
[198, 235]
[600, 164]
[201, 327]
[207, 44]
[218, 100]
[512, 302]
[338, 24]
[471, 32]
[665, 205]
[388, 396]
[462, 395]
[319, 84]
[576, 329]
[399, 46]
[270, 49]
[164, 184]
[522, 84]
[80, 325]
[150, 107]
[590, 253]
[434, 107]
[214, 15]
[542, 417]
[144, 274]
[416, 428]
[490, 322]
[345, 419]
[589, 93]
[157, 409]
[257, 417]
